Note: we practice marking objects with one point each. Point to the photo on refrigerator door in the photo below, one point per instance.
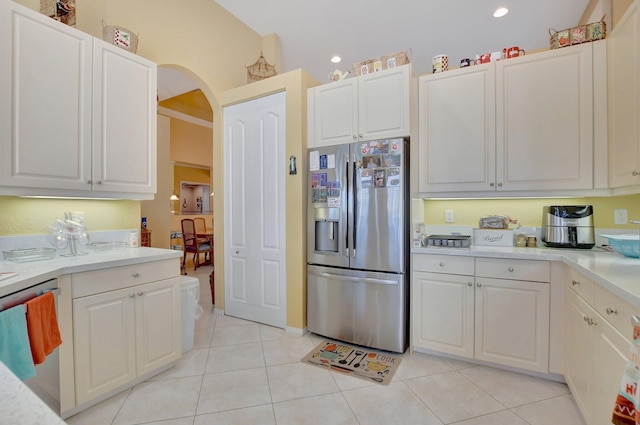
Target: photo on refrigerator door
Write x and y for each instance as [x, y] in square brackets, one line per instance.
[393, 177]
[366, 179]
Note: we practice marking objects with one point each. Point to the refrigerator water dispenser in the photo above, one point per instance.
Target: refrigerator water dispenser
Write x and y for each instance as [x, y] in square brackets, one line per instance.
[326, 229]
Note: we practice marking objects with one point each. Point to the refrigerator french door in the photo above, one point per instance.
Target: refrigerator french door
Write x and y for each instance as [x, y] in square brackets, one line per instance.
[357, 250]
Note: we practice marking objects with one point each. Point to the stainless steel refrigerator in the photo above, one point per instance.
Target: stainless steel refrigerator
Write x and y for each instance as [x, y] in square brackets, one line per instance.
[357, 243]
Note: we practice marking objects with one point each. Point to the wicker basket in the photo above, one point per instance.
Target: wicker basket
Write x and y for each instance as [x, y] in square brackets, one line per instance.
[578, 35]
[260, 70]
[380, 63]
[121, 37]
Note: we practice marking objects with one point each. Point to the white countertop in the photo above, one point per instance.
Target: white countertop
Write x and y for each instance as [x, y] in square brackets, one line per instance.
[32, 273]
[19, 405]
[618, 274]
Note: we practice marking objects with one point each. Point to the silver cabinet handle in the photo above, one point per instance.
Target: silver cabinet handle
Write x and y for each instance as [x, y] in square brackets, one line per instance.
[89, 182]
[99, 182]
[140, 293]
[360, 135]
[492, 184]
[237, 252]
[635, 173]
[479, 285]
[441, 264]
[132, 295]
[135, 274]
[499, 184]
[611, 311]
[469, 284]
[355, 137]
[575, 282]
[511, 269]
[635, 320]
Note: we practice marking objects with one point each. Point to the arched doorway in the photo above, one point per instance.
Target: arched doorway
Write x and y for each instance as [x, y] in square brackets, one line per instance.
[185, 156]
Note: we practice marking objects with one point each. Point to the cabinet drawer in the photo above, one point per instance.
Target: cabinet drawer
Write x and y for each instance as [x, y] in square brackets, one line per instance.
[616, 311]
[531, 270]
[450, 264]
[581, 285]
[110, 279]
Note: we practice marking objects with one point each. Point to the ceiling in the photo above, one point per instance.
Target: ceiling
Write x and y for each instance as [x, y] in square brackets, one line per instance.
[312, 32]
[358, 30]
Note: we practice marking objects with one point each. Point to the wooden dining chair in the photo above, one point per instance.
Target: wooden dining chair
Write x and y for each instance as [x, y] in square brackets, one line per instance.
[201, 229]
[194, 245]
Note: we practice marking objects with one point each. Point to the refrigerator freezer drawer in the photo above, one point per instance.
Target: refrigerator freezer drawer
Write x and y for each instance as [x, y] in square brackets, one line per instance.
[364, 308]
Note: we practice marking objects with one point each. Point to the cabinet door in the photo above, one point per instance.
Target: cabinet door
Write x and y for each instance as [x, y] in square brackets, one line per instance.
[610, 355]
[442, 313]
[383, 104]
[512, 323]
[158, 320]
[457, 130]
[104, 342]
[544, 116]
[45, 105]
[623, 56]
[579, 355]
[335, 113]
[124, 121]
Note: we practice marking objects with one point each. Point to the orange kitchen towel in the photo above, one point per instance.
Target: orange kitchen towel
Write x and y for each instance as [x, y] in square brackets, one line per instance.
[625, 411]
[42, 324]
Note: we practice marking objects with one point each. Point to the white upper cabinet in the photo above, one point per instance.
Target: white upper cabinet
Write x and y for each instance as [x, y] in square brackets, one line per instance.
[623, 56]
[77, 115]
[544, 120]
[457, 130]
[124, 121]
[369, 107]
[518, 125]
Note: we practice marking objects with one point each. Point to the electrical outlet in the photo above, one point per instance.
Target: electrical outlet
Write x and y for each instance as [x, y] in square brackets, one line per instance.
[448, 216]
[620, 216]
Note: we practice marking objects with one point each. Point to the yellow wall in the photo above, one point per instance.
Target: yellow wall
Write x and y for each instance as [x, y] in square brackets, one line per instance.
[25, 216]
[528, 212]
[191, 143]
[296, 84]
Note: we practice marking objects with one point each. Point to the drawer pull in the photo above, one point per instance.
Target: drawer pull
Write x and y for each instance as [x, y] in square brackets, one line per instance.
[140, 293]
[135, 274]
[441, 264]
[589, 321]
[479, 285]
[611, 311]
[469, 284]
[511, 269]
[132, 295]
[575, 282]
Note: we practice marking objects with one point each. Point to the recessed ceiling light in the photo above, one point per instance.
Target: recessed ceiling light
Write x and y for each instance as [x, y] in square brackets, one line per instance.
[336, 59]
[500, 12]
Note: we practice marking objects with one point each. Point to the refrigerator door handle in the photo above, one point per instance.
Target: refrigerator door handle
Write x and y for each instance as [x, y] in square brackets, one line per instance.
[360, 279]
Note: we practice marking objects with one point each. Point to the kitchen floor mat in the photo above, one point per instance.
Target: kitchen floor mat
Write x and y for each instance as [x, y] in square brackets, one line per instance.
[363, 363]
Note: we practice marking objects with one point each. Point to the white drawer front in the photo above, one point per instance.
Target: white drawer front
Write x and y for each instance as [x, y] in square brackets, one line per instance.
[110, 279]
[616, 311]
[500, 268]
[451, 264]
[581, 285]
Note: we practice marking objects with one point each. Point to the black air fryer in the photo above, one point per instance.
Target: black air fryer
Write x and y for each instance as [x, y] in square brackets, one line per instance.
[568, 226]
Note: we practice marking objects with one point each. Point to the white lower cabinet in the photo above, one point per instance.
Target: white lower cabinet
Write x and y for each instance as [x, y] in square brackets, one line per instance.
[122, 334]
[488, 309]
[595, 350]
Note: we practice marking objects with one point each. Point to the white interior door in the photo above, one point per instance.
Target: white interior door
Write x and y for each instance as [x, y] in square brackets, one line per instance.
[254, 199]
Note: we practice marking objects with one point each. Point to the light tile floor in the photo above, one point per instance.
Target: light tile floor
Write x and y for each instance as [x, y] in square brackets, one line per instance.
[241, 372]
